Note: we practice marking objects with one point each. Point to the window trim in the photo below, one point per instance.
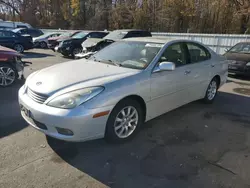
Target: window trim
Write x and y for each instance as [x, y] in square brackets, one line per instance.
[208, 54]
[185, 51]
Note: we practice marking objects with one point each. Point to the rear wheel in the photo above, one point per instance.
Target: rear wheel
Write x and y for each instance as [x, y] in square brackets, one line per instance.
[211, 91]
[19, 48]
[124, 121]
[43, 45]
[8, 75]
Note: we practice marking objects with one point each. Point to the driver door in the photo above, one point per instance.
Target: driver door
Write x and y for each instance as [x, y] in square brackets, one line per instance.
[169, 89]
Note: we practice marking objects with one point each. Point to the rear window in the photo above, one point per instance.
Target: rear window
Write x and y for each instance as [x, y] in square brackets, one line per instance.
[116, 35]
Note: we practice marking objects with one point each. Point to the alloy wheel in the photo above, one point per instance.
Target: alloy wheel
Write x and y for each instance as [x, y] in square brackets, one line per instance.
[212, 90]
[76, 51]
[126, 122]
[19, 48]
[7, 76]
[43, 45]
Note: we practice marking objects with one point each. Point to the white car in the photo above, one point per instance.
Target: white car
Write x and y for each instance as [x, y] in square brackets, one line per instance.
[116, 90]
[42, 41]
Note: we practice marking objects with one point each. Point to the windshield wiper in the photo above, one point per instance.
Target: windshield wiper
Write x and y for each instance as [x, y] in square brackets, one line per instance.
[107, 61]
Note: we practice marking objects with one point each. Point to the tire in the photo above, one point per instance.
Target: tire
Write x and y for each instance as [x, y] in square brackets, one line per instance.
[19, 48]
[43, 45]
[10, 79]
[76, 51]
[118, 131]
[211, 92]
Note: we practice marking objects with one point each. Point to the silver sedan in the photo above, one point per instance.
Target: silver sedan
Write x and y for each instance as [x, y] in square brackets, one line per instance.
[115, 91]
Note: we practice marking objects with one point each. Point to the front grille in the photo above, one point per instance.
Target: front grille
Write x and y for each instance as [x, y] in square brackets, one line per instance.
[40, 98]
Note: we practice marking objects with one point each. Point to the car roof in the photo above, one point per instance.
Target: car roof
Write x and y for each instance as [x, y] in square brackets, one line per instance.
[150, 39]
[161, 40]
[128, 30]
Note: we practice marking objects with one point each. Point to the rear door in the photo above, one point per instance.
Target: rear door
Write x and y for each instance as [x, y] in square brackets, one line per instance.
[199, 68]
[7, 39]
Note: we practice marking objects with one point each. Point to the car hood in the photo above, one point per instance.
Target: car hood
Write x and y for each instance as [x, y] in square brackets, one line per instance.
[91, 42]
[85, 73]
[59, 38]
[239, 57]
[39, 38]
[8, 52]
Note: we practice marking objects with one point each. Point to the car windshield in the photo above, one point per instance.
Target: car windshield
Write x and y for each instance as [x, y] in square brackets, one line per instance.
[67, 34]
[116, 35]
[79, 35]
[46, 35]
[138, 54]
[240, 48]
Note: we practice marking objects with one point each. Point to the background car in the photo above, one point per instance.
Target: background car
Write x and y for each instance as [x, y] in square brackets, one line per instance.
[239, 59]
[42, 41]
[15, 41]
[10, 66]
[29, 31]
[91, 46]
[72, 46]
[54, 41]
[123, 85]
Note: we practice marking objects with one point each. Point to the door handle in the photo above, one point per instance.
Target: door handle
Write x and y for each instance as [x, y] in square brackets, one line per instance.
[212, 65]
[187, 72]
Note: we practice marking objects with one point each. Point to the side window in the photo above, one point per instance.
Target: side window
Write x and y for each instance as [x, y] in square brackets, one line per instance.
[2, 34]
[175, 53]
[8, 34]
[23, 31]
[197, 53]
[33, 32]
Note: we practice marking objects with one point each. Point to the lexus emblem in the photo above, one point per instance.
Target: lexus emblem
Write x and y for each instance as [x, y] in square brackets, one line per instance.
[39, 83]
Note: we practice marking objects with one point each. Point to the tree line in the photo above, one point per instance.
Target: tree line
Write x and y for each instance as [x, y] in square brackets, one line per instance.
[194, 16]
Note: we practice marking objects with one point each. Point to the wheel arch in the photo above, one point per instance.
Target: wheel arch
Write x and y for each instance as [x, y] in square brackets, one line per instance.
[218, 78]
[140, 100]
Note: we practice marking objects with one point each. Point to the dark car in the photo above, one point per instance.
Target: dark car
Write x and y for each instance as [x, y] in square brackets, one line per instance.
[10, 65]
[15, 41]
[29, 31]
[72, 46]
[239, 59]
[93, 45]
[54, 41]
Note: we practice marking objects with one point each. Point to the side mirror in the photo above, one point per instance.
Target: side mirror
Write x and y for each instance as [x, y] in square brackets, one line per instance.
[226, 49]
[165, 66]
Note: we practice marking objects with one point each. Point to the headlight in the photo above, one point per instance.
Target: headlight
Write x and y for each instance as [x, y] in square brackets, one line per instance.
[75, 98]
[248, 64]
[84, 49]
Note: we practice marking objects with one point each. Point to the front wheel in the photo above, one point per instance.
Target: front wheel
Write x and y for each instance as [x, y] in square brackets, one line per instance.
[76, 51]
[211, 91]
[124, 121]
[8, 75]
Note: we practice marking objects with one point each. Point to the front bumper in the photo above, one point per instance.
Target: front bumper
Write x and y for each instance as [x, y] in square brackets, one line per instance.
[79, 120]
[237, 69]
[65, 50]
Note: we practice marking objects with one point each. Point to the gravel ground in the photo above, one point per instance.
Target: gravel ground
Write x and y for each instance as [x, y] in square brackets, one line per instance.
[194, 146]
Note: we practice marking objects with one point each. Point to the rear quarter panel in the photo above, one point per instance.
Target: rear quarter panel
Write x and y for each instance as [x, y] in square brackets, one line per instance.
[221, 68]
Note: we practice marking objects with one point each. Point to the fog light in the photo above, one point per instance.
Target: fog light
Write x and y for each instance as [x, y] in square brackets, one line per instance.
[63, 131]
